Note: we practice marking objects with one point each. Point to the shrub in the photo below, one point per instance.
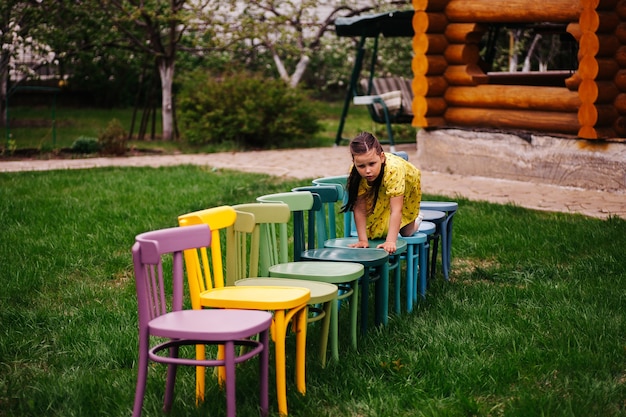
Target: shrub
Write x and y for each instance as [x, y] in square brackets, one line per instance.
[85, 145]
[113, 139]
[244, 109]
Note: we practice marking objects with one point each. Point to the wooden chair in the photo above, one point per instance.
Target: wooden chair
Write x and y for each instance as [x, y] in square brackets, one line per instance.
[207, 290]
[226, 328]
[270, 254]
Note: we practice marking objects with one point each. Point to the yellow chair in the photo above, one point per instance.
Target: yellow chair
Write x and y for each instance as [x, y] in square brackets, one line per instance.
[206, 287]
[269, 256]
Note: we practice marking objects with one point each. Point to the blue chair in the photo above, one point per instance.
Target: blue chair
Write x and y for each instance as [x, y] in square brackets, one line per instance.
[450, 208]
[437, 217]
[429, 229]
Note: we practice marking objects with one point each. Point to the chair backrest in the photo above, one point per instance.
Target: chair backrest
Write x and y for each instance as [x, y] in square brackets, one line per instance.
[340, 182]
[238, 236]
[299, 203]
[268, 240]
[203, 274]
[149, 252]
[325, 226]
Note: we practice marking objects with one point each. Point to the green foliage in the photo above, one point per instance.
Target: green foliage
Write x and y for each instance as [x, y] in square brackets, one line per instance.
[11, 146]
[113, 138]
[85, 145]
[244, 109]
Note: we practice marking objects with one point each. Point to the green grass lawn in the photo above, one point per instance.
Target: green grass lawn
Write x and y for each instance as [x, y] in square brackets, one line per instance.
[531, 324]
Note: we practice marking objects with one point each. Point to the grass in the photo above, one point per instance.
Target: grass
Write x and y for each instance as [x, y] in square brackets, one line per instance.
[31, 128]
[531, 324]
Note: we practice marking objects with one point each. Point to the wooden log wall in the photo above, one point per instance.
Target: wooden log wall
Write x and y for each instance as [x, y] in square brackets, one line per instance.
[450, 88]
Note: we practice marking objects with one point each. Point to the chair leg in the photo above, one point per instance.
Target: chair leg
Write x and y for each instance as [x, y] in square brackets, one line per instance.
[364, 299]
[423, 269]
[200, 375]
[264, 373]
[301, 350]
[433, 262]
[229, 362]
[170, 381]
[381, 300]
[396, 281]
[326, 324]
[279, 336]
[354, 308]
[410, 281]
[334, 329]
[142, 375]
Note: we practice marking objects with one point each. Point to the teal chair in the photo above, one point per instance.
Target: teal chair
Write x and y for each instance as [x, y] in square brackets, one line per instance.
[339, 182]
[328, 212]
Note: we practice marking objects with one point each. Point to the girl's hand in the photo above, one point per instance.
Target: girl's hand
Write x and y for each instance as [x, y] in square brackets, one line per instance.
[360, 244]
[390, 247]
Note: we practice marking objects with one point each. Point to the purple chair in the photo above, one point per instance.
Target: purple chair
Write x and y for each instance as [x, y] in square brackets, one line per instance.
[228, 328]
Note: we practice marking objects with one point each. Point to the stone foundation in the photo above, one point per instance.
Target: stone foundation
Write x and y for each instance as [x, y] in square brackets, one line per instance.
[589, 164]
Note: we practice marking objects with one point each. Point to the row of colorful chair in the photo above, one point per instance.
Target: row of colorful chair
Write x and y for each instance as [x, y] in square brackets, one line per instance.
[230, 303]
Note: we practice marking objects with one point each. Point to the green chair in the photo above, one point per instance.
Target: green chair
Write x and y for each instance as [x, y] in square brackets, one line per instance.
[267, 239]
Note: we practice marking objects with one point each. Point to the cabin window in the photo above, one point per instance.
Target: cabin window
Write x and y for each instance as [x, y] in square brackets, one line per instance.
[542, 54]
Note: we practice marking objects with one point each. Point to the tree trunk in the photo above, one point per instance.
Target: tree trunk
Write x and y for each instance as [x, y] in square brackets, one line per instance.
[282, 71]
[531, 52]
[303, 63]
[166, 72]
[4, 77]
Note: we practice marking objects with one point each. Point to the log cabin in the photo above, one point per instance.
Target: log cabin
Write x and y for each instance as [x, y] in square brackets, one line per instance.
[587, 102]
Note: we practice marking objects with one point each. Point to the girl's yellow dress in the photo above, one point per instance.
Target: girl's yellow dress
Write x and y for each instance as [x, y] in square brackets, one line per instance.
[401, 178]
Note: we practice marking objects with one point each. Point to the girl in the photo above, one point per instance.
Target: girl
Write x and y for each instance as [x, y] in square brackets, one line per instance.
[384, 192]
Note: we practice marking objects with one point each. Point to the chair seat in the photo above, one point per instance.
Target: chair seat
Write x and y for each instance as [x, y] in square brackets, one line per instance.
[224, 324]
[366, 257]
[427, 227]
[343, 242]
[434, 216]
[447, 206]
[321, 292]
[256, 297]
[331, 272]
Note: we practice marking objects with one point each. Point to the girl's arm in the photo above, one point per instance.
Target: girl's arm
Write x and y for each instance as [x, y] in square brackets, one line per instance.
[360, 218]
[395, 218]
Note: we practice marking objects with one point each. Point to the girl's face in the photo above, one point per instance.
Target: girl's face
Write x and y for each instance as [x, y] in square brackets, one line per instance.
[369, 164]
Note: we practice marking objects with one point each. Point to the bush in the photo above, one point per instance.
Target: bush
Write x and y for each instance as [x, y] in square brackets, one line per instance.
[247, 110]
[85, 145]
[113, 139]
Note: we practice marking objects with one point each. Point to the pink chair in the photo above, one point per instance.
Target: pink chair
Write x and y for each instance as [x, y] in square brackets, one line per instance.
[226, 327]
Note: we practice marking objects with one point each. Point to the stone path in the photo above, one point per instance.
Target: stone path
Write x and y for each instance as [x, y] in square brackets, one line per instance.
[320, 162]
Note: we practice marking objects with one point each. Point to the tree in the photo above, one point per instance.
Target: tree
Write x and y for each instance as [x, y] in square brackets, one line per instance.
[19, 19]
[155, 27]
[290, 31]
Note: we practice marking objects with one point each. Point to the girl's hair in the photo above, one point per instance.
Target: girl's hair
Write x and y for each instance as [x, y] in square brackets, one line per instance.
[362, 144]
